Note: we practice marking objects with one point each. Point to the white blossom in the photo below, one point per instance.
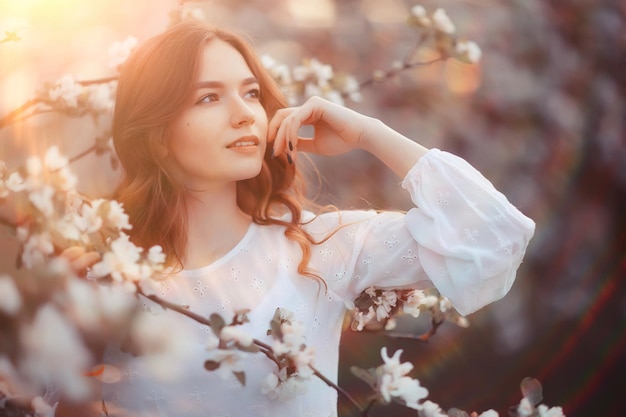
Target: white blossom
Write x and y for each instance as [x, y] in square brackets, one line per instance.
[212, 342]
[352, 87]
[392, 366]
[468, 51]
[431, 409]
[362, 319]
[42, 199]
[53, 159]
[544, 411]
[67, 90]
[385, 303]
[393, 382]
[420, 15]
[120, 51]
[42, 408]
[15, 182]
[54, 353]
[36, 249]
[88, 220]
[291, 387]
[442, 22]
[283, 387]
[10, 298]
[279, 72]
[193, 13]
[156, 256]
[121, 262]
[101, 96]
[92, 306]
[230, 361]
[303, 360]
[489, 413]
[525, 408]
[117, 217]
[269, 385]
[334, 96]
[235, 334]
[161, 350]
[414, 301]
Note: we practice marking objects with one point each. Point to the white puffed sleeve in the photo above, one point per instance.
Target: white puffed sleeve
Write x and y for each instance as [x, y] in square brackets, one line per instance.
[471, 240]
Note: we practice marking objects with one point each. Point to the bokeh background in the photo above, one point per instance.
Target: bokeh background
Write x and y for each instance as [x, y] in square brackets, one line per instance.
[542, 115]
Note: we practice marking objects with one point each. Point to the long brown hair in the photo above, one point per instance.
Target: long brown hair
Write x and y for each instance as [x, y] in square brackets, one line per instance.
[154, 84]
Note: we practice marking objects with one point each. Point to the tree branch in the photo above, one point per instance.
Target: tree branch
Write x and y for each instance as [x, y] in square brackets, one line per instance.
[364, 412]
[12, 116]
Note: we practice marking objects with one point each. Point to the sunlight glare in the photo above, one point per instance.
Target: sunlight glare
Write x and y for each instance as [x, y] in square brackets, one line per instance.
[313, 14]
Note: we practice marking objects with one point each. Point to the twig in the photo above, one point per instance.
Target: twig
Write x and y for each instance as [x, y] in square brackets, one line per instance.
[97, 81]
[264, 348]
[12, 116]
[364, 412]
[84, 153]
[394, 71]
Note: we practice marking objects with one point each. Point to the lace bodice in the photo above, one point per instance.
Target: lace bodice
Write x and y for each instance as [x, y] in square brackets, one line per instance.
[463, 237]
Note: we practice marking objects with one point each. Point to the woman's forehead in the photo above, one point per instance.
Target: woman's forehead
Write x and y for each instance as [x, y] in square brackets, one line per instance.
[220, 60]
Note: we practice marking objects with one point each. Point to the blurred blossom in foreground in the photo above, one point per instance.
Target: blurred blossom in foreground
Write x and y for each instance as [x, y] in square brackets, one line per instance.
[10, 298]
[55, 353]
[442, 22]
[468, 52]
[120, 51]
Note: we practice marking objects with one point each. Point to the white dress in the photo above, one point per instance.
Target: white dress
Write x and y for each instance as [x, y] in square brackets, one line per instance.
[463, 236]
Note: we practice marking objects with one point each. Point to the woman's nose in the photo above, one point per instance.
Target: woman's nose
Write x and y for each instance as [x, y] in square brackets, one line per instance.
[241, 113]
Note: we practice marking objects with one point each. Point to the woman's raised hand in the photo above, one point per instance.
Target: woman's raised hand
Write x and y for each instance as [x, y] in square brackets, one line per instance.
[337, 129]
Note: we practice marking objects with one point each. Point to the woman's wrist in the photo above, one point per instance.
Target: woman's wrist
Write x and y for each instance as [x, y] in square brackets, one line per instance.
[395, 150]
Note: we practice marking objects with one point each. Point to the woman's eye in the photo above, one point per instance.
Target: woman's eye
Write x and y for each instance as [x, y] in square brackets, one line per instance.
[209, 98]
[254, 93]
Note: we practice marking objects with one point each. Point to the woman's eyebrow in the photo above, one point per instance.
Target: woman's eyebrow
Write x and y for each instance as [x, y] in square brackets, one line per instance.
[220, 84]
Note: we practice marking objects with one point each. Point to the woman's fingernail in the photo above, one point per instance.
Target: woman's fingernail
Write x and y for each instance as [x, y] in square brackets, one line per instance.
[289, 159]
[290, 146]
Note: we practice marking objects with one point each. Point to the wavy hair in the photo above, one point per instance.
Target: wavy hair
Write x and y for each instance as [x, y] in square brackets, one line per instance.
[154, 84]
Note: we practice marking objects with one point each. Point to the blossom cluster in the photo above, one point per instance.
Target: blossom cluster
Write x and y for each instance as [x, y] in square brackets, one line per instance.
[440, 27]
[51, 316]
[378, 309]
[392, 384]
[294, 357]
[312, 78]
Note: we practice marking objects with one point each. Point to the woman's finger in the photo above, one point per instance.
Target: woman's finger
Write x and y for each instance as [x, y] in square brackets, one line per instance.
[72, 253]
[273, 129]
[83, 263]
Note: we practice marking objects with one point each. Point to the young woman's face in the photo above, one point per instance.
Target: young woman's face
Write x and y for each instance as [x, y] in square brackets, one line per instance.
[221, 135]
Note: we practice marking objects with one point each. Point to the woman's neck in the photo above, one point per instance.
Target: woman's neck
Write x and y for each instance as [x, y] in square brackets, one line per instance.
[215, 225]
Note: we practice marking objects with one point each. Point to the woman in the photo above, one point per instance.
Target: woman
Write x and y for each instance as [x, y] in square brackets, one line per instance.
[209, 150]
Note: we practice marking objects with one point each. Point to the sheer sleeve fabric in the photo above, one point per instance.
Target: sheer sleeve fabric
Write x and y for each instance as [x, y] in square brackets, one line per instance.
[462, 236]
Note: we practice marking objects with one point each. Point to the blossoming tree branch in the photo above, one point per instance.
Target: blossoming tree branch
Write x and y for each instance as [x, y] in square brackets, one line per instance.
[53, 319]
